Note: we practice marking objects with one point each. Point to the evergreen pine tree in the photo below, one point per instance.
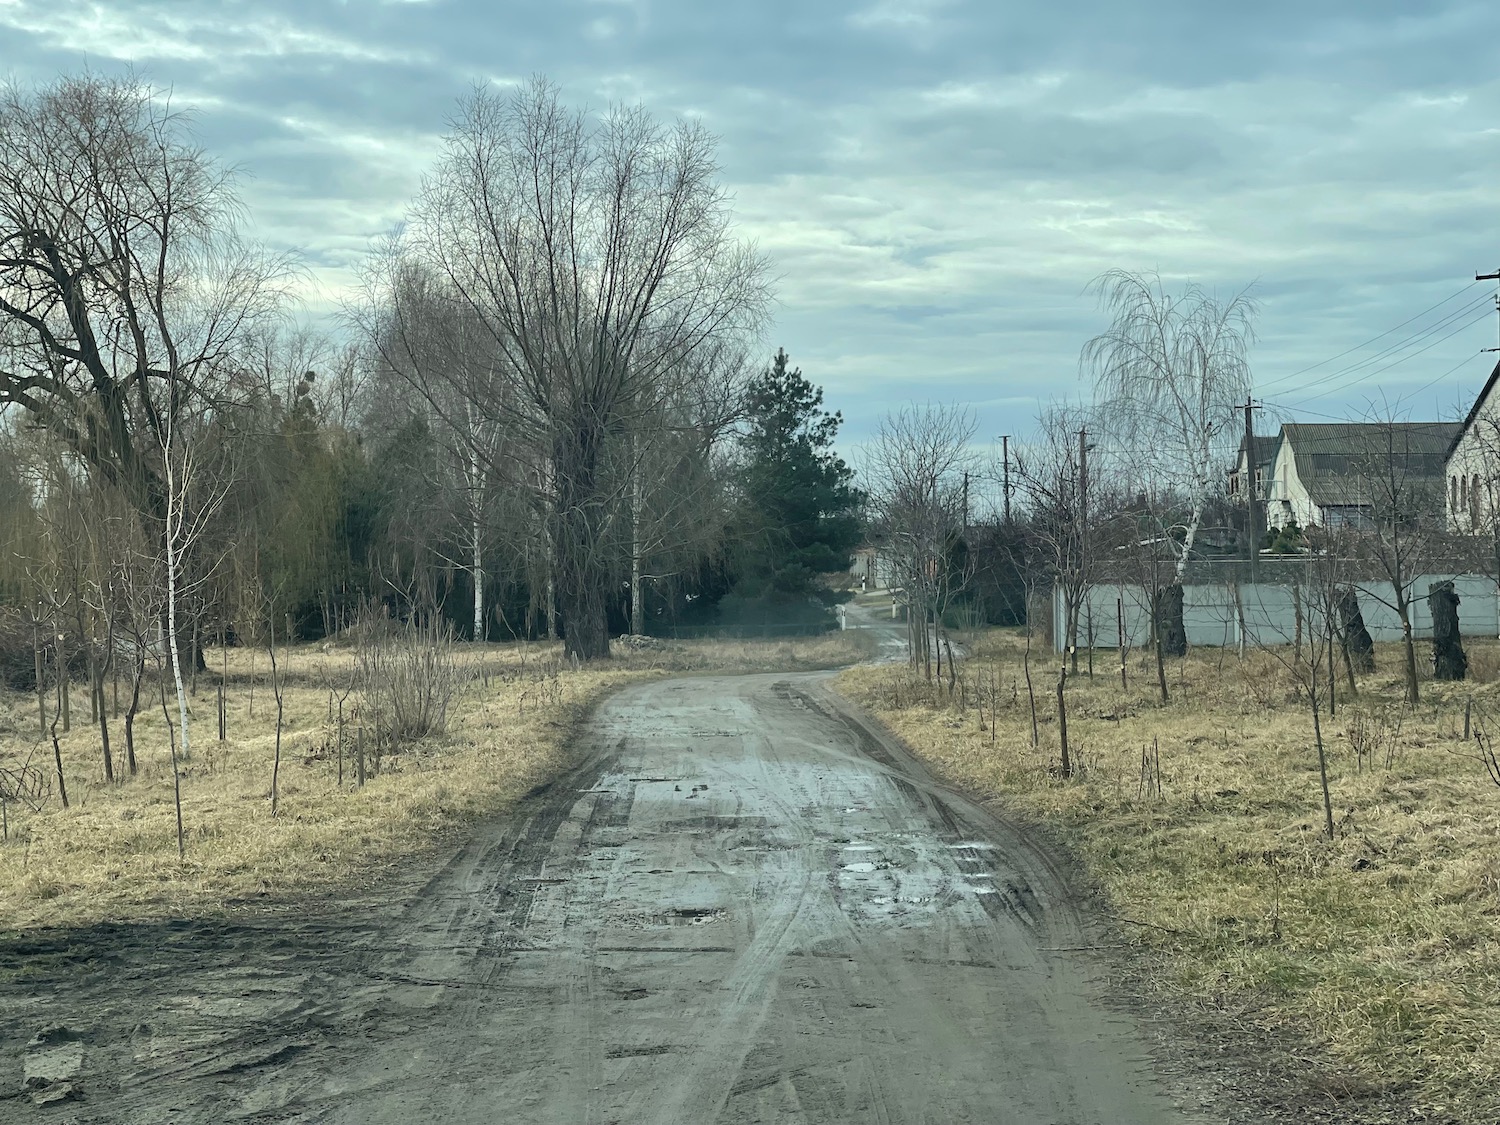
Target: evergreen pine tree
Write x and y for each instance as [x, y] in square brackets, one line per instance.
[800, 512]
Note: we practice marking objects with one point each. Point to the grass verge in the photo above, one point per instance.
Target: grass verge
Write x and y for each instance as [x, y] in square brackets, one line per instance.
[1380, 946]
[113, 853]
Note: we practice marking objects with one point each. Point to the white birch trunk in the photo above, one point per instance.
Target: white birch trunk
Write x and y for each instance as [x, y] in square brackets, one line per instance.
[174, 526]
[476, 527]
[637, 594]
[477, 568]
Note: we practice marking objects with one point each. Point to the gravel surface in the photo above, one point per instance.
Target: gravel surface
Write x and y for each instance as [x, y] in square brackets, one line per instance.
[744, 904]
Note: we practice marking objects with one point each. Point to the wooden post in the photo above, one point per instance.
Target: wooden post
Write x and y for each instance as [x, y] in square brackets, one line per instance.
[1120, 637]
[64, 688]
[359, 756]
[41, 690]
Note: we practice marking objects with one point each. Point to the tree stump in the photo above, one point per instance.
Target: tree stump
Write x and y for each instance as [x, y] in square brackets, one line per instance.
[1357, 641]
[1449, 661]
[1171, 633]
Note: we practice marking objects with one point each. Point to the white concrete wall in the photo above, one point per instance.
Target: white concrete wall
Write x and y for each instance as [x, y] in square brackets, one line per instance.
[1270, 612]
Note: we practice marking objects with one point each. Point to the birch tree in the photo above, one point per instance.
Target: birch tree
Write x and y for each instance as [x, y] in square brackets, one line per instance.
[1168, 371]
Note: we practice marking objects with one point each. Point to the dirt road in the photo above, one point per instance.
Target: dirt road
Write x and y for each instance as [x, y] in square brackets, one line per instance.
[742, 906]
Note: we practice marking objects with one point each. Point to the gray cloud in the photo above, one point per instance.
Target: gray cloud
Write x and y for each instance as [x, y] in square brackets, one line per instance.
[936, 180]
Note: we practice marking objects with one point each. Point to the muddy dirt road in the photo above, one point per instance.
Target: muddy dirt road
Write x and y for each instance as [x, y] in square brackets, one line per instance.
[742, 906]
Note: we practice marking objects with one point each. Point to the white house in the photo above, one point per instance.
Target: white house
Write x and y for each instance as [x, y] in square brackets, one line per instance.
[872, 567]
[1325, 474]
[1472, 464]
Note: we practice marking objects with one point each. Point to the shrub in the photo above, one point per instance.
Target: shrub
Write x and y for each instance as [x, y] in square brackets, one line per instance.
[408, 677]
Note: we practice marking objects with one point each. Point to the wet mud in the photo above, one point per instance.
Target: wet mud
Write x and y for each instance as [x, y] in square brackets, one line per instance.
[743, 904]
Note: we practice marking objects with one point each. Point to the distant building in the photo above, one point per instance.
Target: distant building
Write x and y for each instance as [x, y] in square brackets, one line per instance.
[872, 566]
[1328, 474]
[1472, 466]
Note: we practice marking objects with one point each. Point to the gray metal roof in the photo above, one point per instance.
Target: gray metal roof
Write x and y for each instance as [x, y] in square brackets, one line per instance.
[1336, 460]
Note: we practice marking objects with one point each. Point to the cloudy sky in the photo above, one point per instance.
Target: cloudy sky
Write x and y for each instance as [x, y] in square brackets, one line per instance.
[936, 181]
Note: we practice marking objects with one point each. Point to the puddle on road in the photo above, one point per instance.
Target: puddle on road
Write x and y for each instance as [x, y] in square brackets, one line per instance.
[861, 868]
[860, 848]
[974, 846]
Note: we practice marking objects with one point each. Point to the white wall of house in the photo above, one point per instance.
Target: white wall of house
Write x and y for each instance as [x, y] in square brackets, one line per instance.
[1287, 498]
[874, 566]
[1473, 474]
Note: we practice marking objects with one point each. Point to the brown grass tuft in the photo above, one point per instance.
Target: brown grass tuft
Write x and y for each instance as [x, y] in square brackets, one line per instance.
[1381, 944]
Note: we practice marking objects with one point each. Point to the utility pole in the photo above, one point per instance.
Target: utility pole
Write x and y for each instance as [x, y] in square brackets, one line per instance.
[1252, 522]
[1005, 489]
[1492, 277]
[1083, 534]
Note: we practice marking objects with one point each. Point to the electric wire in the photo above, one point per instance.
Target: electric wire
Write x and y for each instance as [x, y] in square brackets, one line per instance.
[1313, 367]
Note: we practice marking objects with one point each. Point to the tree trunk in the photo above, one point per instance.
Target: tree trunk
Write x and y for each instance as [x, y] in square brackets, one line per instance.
[102, 716]
[1322, 759]
[1449, 661]
[134, 708]
[1161, 658]
[585, 624]
[1062, 720]
[637, 551]
[476, 537]
[1403, 611]
[1030, 690]
[1359, 647]
[1171, 632]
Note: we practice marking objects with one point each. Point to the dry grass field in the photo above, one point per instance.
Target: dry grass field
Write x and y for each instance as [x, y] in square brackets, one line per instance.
[1381, 946]
[113, 853]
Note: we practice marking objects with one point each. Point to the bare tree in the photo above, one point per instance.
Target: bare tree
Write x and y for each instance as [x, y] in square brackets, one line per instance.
[1319, 584]
[1394, 504]
[1050, 476]
[125, 287]
[1169, 371]
[915, 472]
[594, 261]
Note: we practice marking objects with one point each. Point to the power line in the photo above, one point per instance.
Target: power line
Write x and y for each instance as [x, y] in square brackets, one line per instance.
[1401, 345]
[1367, 343]
[1440, 378]
[1396, 363]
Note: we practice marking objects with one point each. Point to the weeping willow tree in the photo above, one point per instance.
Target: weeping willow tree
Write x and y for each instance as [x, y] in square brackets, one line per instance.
[1169, 371]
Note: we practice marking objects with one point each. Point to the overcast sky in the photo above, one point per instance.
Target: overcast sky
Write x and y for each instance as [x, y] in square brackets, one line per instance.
[935, 181]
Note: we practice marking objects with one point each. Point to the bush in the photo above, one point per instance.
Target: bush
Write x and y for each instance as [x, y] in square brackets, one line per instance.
[408, 677]
[17, 657]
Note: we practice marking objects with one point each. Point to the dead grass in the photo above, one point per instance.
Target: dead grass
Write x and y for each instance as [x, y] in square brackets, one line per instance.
[1381, 945]
[113, 854]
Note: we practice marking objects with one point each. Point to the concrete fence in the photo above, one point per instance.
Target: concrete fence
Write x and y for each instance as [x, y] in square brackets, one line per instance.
[1212, 617]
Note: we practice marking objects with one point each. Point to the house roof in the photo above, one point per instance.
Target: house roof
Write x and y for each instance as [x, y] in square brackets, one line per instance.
[1263, 447]
[1331, 456]
[1479, 400]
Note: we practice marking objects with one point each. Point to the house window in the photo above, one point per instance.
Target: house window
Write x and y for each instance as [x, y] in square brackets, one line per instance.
[1463, 493]
[1474, 501]
[1453, 495]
